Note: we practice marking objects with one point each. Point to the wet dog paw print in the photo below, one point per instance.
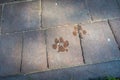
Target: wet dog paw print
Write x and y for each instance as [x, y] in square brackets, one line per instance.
[82, 32]
[75, 31]
[80, 29]
[60, 45]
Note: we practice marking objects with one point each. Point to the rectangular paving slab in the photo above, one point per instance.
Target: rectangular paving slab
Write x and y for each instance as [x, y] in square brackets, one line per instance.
[115, 25]
[21, 16]
[99, 44]
[7, 1]
[63, 47]
[103, 9]
[34, 52]
[61, 12]
[10, 54]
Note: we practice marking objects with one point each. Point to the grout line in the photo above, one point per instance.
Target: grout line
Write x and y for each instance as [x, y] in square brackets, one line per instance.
[46, 50]
[21, 53]
[81, 46]
[113, 33]
[1, 19]
[45, 37]
[41, 14]
[89, 12]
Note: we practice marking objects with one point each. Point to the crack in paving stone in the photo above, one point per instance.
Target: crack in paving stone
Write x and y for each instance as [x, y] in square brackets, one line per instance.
[61, 45]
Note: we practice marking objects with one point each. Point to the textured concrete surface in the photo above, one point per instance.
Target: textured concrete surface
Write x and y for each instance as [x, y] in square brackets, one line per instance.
[76, 73]
[10, 54]
[61, 12]
[21, 16]
[34, 52]
[115, 25]
[99, 44]
[103, 9]
[42, 35]
[8, 1]
[66, 58]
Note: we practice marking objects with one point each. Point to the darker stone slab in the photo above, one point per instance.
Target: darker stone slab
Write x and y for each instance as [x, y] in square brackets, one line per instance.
[60, 59]
[7, 1]
[99, 44]
[34, 52]
[103, 9]
[118, 2]
[61, 12]
[10, 54]
[76, 73]
[21, 16]
[115, 25]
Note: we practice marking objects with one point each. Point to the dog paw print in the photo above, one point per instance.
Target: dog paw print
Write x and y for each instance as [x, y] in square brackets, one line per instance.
[80, 29]
[82, 32]
[75, 31]
[60, 45]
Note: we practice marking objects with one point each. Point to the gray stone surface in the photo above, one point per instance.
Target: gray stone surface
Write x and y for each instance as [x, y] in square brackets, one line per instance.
[21, 16]
[99, 44]
[0, 17]
[115, 25]
[64, 59]
[61, 12]
[10, 54]
[76, 73]
[34, 52]
[103, 9]
[118, 2]
[7, 1]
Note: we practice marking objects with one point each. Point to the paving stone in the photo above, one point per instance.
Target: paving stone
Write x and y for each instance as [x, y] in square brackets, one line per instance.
[60, 57]
[115, 25]
[21, 16]
[7, 1]
[34, 52]
[61, 12]
[10, 54]
[99, 44]
[88, 72]
[103, 9]
[118, 2]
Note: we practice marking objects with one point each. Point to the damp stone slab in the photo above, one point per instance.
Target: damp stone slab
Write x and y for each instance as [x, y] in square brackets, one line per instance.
[115, 25]
[103, 9]
[10, 54]
[34, 52]
[61, 12]
[63, 47]
[22, 16]
[99, 44]
[8, 1]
